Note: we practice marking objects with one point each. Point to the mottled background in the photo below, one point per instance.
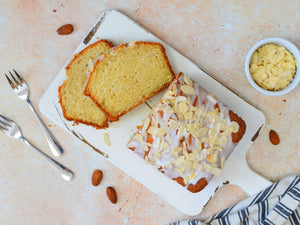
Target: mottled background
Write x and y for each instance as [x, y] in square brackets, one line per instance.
[216, 35]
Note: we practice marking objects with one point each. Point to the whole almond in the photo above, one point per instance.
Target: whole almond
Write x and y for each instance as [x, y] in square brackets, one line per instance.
[65, 29]
[111, 194]
[97, 177]
[274, 138]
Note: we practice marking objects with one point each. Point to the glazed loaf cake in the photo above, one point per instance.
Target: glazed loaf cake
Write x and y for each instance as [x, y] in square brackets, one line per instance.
[128, 76]
[75, 105]
[189, 134]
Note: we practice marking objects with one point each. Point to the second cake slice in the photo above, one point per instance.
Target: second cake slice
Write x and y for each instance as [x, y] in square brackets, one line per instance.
[128, 76]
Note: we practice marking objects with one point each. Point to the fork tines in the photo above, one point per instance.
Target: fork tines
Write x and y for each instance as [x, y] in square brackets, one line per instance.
[17, 81]
[4, 122]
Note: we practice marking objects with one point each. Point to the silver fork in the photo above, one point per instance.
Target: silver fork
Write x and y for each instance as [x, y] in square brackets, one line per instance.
[22, 91]
[10, 128]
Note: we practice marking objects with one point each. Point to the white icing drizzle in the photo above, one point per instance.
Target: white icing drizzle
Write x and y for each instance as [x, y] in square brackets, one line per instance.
[190, 161]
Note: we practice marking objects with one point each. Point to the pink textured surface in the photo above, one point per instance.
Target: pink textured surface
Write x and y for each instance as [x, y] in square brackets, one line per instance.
[216, 36]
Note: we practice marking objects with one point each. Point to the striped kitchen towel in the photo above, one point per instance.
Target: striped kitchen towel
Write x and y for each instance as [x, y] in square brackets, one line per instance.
[278, 204]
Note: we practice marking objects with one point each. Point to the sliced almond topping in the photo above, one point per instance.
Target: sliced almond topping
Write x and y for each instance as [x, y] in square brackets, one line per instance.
[212, 170]
[183, 107]
[162, 131]
[185, 152]
[157, 155]
[202, 155]
[174, 88]
[211, 98]
[203, 140]
[188, 165]
[180, 160]
[186, 179]
[146, 124]
[228, 131]
[153, 121]
[168, 138]
[222, 141]
[173, 124]
[169, 110]
[235, 126]
[213, 157]
[188, 115]
[157, 142]
[222, 125]
[189, 90]
[164, 145]
[180, 116]
[180, 98]
[196, 165]
[175, 154]
[179, 170]
[139, 138]
[198, 144]
[169, 100]
[187, 80]
[152, 130]
[202, 131]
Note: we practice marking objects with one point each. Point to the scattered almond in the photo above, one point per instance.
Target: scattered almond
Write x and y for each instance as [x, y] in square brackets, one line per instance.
[106, 139]
[111, 194]
[97, 177]
[65, 29]
[274, 138]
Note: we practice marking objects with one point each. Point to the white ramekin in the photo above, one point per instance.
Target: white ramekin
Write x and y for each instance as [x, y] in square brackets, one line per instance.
[282, 42]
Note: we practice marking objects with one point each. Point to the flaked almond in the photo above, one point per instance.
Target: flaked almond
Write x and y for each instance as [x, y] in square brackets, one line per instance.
[111, 194]
[189, 90]
[187, 80]
[106, 139]
[139, 138]
[274, 138]
[97, 177]
[65, 29]
[146, 124]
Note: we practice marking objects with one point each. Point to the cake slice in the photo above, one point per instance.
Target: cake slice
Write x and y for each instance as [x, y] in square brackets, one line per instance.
[129, 75]
[75, 105]
[188, 135]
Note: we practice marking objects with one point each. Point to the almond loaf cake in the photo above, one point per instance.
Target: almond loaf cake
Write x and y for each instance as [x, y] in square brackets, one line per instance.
[75, 105]
[129, 75]
[188, 135]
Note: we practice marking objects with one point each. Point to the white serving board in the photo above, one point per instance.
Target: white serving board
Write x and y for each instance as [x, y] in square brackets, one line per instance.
[118, 28]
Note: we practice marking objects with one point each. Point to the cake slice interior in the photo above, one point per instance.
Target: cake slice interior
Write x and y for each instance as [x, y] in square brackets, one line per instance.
[75, 105]
[129, 75]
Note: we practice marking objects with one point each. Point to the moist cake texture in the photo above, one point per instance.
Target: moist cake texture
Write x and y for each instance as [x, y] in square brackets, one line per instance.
[128, 76]
[188, 135]
[75, 105]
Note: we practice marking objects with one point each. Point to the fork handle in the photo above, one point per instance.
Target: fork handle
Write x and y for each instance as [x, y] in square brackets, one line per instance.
[65, 173]
[55, 147]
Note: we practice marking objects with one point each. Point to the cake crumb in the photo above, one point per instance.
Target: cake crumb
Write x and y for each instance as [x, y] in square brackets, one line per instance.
[106, 139]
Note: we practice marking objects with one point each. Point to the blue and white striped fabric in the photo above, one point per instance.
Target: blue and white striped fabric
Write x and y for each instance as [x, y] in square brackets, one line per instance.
[278, 204]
